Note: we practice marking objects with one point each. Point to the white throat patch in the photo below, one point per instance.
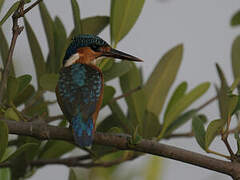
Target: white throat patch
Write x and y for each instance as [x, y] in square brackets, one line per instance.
[72, 60]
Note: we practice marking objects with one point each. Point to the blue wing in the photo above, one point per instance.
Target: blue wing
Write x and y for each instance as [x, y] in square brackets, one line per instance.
[78, 91]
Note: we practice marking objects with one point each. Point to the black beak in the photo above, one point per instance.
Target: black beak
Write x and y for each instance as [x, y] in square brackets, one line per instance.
[120, 55]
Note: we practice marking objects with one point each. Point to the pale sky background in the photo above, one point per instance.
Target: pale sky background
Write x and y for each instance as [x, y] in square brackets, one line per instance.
[201, 25]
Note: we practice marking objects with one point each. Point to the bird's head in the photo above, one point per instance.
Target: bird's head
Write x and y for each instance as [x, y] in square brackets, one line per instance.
[86, 48]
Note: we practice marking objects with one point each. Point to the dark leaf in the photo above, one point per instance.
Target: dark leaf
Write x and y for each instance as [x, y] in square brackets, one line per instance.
[60, 40]
[24, 96]
[94, 25]
[109, 92]
[135, 101]
[10, 12]
[24, 81]
[3, 138]
[117, 70]
[213, 129]
[181, 120]
[108, 123]
[235, 21]
[151, 125]
[4, 48]
[236, 57]
[225, 101]
[12, 88]
[22, 149]
[48, 82]
[120, 117]
[36, 51]
[199, 131]
[55, 149]
[49, 31]
[76, 18]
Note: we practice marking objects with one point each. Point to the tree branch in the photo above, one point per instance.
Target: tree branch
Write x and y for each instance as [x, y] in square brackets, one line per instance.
[43, 131]
[16, 31]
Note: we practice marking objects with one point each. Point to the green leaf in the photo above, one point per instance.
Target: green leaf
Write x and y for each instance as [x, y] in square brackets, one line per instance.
[237, 108]
[117, 69]
[223, 95]
[162, 78]
[213, 129]
[49, 31]
[154, 168]
[235, 84]
[1, 4]
[182, 104]
[233, 101]
[181, 120]
[109, 123]
[39, 108]
[72, 175]
[24, 96]
[135, 101]
[76, 17]
[11, 114]
[4, 48]
[60, 40]
[199, 131]
[36, 51]
[22, 149]
[5, 174]
[151, 125]
[236, 57]
[94, 25]
[235, 21]
[236, 135]
[55, 149]
[3, 138]
[109, 92]
[10, 12]
[120, 117]
[124, 14]
[12, 88]
[49, 81]
[177, 94]
[24, 81]
[8, 153]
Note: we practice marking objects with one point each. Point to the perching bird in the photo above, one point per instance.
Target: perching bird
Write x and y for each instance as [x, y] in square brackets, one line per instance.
[80, 86]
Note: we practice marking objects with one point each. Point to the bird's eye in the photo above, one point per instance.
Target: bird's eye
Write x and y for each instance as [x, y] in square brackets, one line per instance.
[94, 47]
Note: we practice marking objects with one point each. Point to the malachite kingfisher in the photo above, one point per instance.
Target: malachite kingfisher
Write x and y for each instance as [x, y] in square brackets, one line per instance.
[79, 89]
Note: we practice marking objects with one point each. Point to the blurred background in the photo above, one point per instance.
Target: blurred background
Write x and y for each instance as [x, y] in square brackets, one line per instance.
[204, 29]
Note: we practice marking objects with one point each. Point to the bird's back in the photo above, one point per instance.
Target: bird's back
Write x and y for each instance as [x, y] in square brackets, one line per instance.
[79, 93]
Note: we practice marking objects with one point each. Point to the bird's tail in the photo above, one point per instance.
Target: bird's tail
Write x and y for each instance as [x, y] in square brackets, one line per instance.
[82, 130]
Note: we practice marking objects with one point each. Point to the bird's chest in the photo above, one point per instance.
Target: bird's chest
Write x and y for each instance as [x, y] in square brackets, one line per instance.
[80, 82]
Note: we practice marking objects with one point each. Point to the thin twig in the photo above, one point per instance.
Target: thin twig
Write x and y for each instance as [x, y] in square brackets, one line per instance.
[206, 103]
[30, 7]
[125, 94]
[54, 118]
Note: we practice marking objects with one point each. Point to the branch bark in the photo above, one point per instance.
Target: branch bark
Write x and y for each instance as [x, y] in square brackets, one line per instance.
[43, 131]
